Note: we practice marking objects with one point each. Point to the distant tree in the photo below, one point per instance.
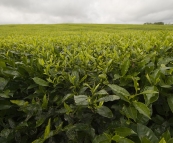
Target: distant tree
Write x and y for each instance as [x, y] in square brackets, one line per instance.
[148, 23]
[159, 23]
[156, 23]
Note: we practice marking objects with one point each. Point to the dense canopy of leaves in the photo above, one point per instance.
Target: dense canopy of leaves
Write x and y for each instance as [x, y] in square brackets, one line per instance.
[83, 87]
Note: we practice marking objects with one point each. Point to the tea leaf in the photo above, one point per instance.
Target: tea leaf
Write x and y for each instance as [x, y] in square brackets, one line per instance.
[40, 81]
[81, 100]
[105, 112]
[47, 130]
[45, 102]
[142, 108]
[3, 83]
[109, 98]
[19, 102]
[144, 131]
[121, 92]
[125, 66]
[124, 131]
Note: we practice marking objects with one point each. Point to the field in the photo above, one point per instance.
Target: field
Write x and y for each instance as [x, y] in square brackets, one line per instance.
[86, 83]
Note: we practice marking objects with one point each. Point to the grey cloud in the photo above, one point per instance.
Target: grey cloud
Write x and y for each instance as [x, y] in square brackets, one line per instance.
[82, 11]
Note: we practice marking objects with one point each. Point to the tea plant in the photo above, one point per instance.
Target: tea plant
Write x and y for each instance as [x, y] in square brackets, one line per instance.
[83, 87]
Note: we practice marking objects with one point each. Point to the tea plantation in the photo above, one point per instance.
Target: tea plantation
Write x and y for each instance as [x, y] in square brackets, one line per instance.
[79, 83]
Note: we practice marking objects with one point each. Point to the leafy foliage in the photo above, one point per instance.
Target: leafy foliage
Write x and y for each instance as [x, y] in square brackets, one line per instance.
[83, 87]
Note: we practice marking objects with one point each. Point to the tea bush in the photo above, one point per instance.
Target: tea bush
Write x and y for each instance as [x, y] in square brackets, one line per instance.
[86, 86]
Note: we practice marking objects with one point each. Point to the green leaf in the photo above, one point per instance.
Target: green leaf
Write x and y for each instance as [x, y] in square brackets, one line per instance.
[2, 64]
[136, 84]
[12, 73]
[40, 121]
[45, 102]
[125, 66]
[105, 112]
[149, 91]
[162, 141]
[101, 139]
[124, 131]
[142, 119]
[41, 62]
[81, 100]
[40, 81]
[116, 76]
[144, 131]
[19, 102]
[142, 108]
[66, 97]
[68, 109]
[101, 92]
[130, 112]
[116, 138]
[121, 92]
[125, 140]
[47, 130]
[3, 83]
[170, 102]
[3, 95]
[145, 140]
[166, 135]
[150, 94]
[109, 98]
[76, 75]
[149, 79]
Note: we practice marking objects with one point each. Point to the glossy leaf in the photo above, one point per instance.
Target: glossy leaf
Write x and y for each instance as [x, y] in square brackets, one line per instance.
[116, 138]
[105, 112]
[142, 108]
[144, 131]
[150, 94]
[130, 112]
[40, 81]
[81, 100]
[121, 92]
[124, 131]
[101, 92]
[109, 98]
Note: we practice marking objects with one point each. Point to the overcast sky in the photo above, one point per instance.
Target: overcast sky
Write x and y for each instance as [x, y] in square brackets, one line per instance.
[85, 11]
